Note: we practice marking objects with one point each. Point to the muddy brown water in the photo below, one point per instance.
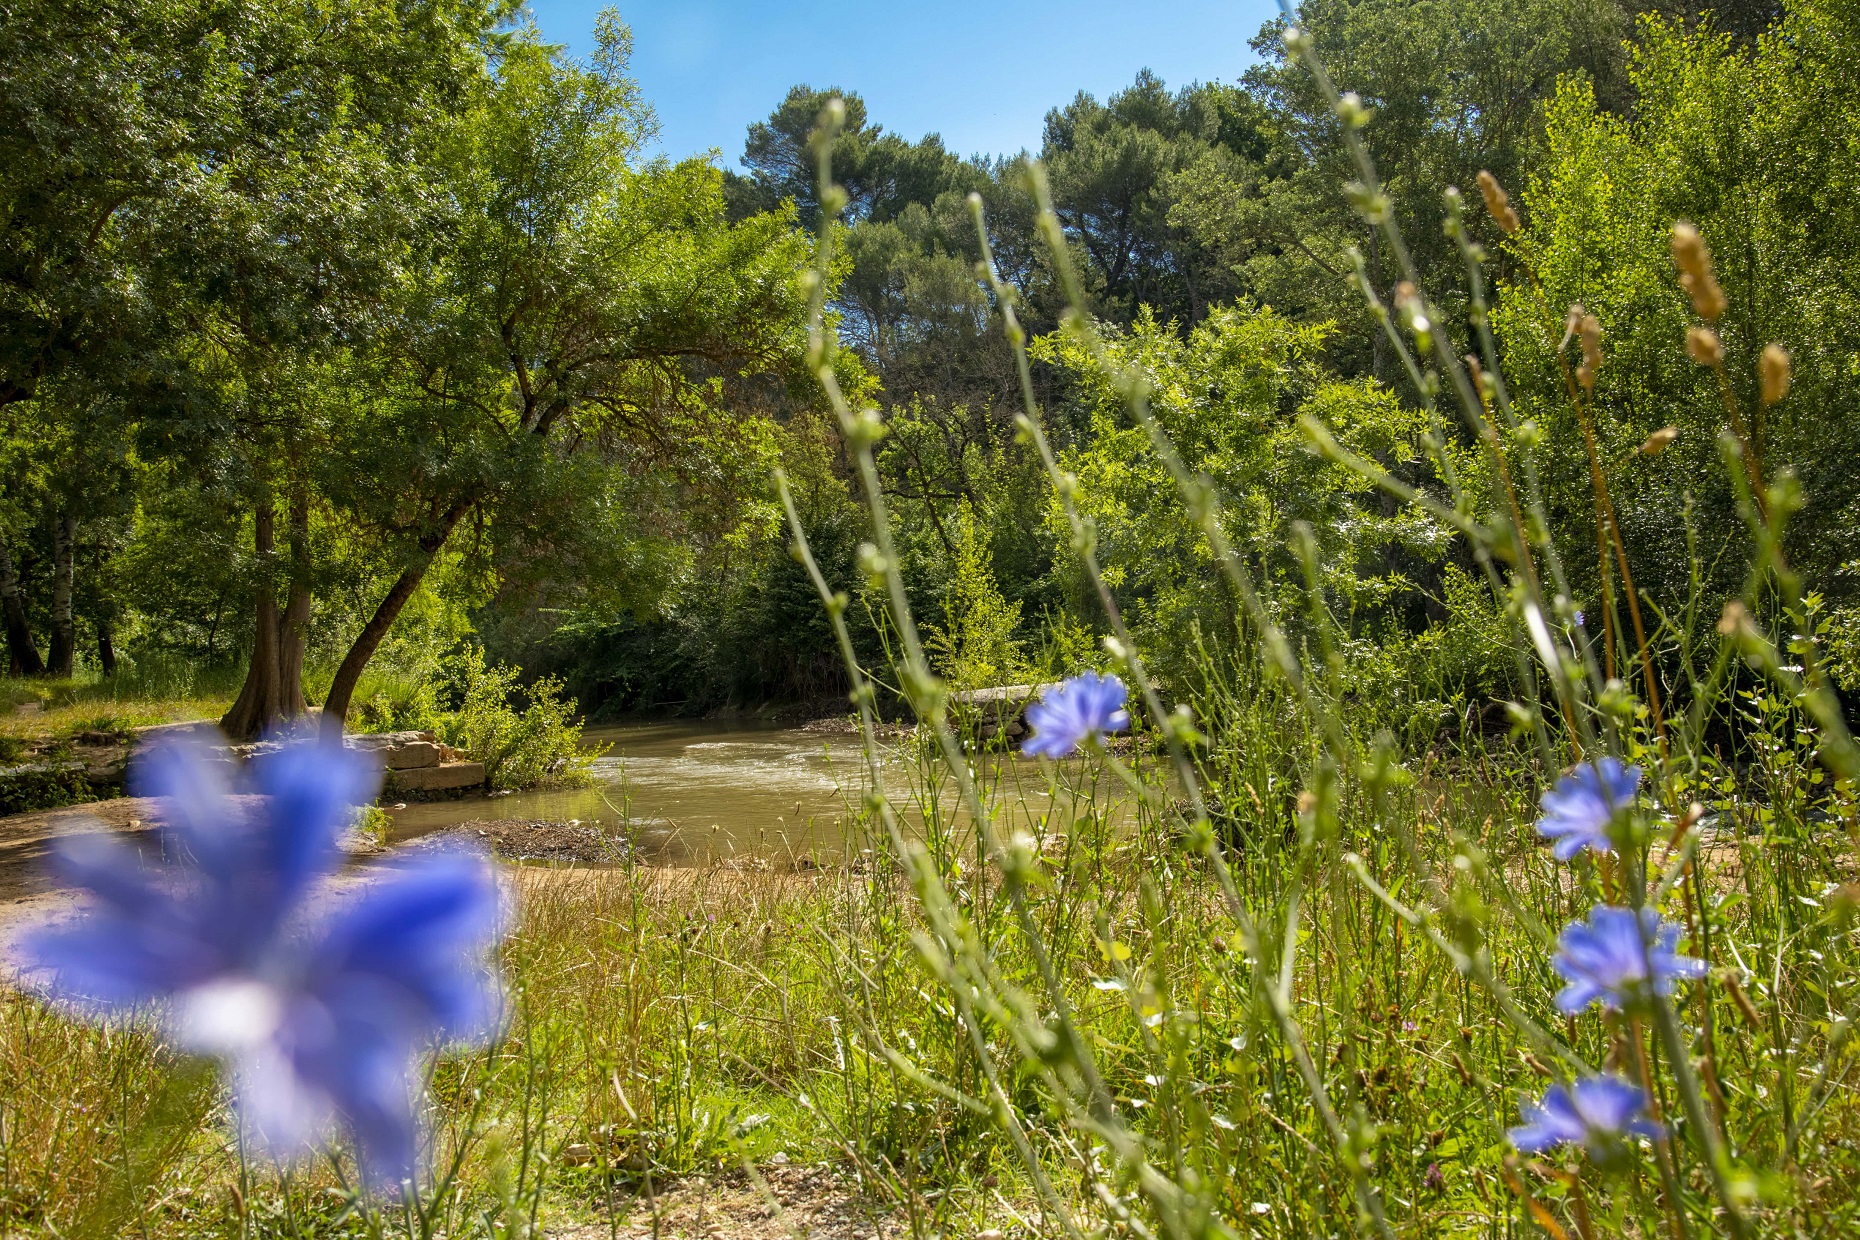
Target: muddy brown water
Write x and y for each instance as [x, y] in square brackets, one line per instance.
[679, 793]
[695, 792]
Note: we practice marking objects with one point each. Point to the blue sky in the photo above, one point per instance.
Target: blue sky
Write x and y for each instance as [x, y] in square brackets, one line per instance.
[982, 75]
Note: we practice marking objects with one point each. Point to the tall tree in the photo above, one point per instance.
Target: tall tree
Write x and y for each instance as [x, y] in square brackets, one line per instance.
[581, 302]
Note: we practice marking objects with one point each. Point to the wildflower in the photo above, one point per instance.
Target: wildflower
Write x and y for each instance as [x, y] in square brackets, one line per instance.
[1616, 958]
[1704, 347]
[318, 1005]
[1658, 441]
[1597, 1112]
[1077, 710]
[1580, 808]
[1589, 330]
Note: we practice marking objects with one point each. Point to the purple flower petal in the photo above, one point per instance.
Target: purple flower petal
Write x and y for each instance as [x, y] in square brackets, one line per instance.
[1581, 808]
[1075, 711]
[1606, 961]
[317, 1029]
[1597, 1112]
[311, 787]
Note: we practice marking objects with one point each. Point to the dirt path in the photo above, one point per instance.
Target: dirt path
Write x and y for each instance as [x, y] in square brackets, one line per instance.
[26, 839]
[813, 1202]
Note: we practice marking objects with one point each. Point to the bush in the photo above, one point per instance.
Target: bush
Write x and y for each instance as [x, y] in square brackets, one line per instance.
[43, 785]
[520, 748]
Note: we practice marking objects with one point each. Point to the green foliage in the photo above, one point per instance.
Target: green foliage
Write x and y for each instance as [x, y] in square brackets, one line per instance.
[975, 647]
[42, 785]
[525, 734]
[1742, 143]
[1230, 392]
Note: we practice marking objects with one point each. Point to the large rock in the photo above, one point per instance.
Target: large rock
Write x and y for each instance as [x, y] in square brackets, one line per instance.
[403, 751]
[449, 777]
[1001, 709]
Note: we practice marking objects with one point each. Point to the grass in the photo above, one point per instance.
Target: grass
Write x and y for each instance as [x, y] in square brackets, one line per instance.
[150, 692]
[665, 1024]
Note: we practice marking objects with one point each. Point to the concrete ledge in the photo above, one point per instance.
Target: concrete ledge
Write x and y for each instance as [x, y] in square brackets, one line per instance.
[449, 777]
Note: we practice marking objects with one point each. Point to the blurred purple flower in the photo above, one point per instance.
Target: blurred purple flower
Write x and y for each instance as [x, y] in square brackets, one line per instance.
[1083, 707]
[1597, 1112]
[1606, 961]
[319, 1004]
[1582, 805]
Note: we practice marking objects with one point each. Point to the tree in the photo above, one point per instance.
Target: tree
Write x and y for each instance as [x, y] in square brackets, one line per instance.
[579, 304]
[1740, 141]
[1451, 88]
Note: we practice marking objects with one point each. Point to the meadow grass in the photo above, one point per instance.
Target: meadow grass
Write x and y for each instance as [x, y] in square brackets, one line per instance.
[663, 1024]
[148, 692]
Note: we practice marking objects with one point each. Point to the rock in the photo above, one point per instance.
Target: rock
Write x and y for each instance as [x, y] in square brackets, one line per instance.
[997, 711]
[415, 755]
[448, 777]
[176, 731]
[402, 751]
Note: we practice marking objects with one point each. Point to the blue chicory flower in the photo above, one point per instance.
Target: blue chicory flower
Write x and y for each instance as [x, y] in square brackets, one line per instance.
[319, 1004]
[1580, 808]
[1083, 707]
[1597, 1112]
[1615, 958]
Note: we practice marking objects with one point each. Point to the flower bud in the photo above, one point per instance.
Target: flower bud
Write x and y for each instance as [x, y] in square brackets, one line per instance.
[1704, 347]
[1350, 110]
[1413, 311]
[1497, 204]
[1773, 373]
[1695, 273]
[1658, 441]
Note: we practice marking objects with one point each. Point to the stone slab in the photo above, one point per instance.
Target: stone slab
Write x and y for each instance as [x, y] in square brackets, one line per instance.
[402, 751]
[445, 778]
[414, 755]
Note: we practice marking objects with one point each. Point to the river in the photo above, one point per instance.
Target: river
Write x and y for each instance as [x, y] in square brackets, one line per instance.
[694, 792]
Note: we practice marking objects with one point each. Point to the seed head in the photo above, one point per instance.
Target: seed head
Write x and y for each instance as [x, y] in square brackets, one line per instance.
[1773, 373]
[1658, 441]
[1695, 273]
[1497, 203]
[1704, 347]
[1590, 331]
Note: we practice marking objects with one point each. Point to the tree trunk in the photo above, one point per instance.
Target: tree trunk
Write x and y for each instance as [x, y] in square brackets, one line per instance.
[293, 626]
[342, 689]
[106, 650]
[22, 653]
[63, 661]
[259, 704]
